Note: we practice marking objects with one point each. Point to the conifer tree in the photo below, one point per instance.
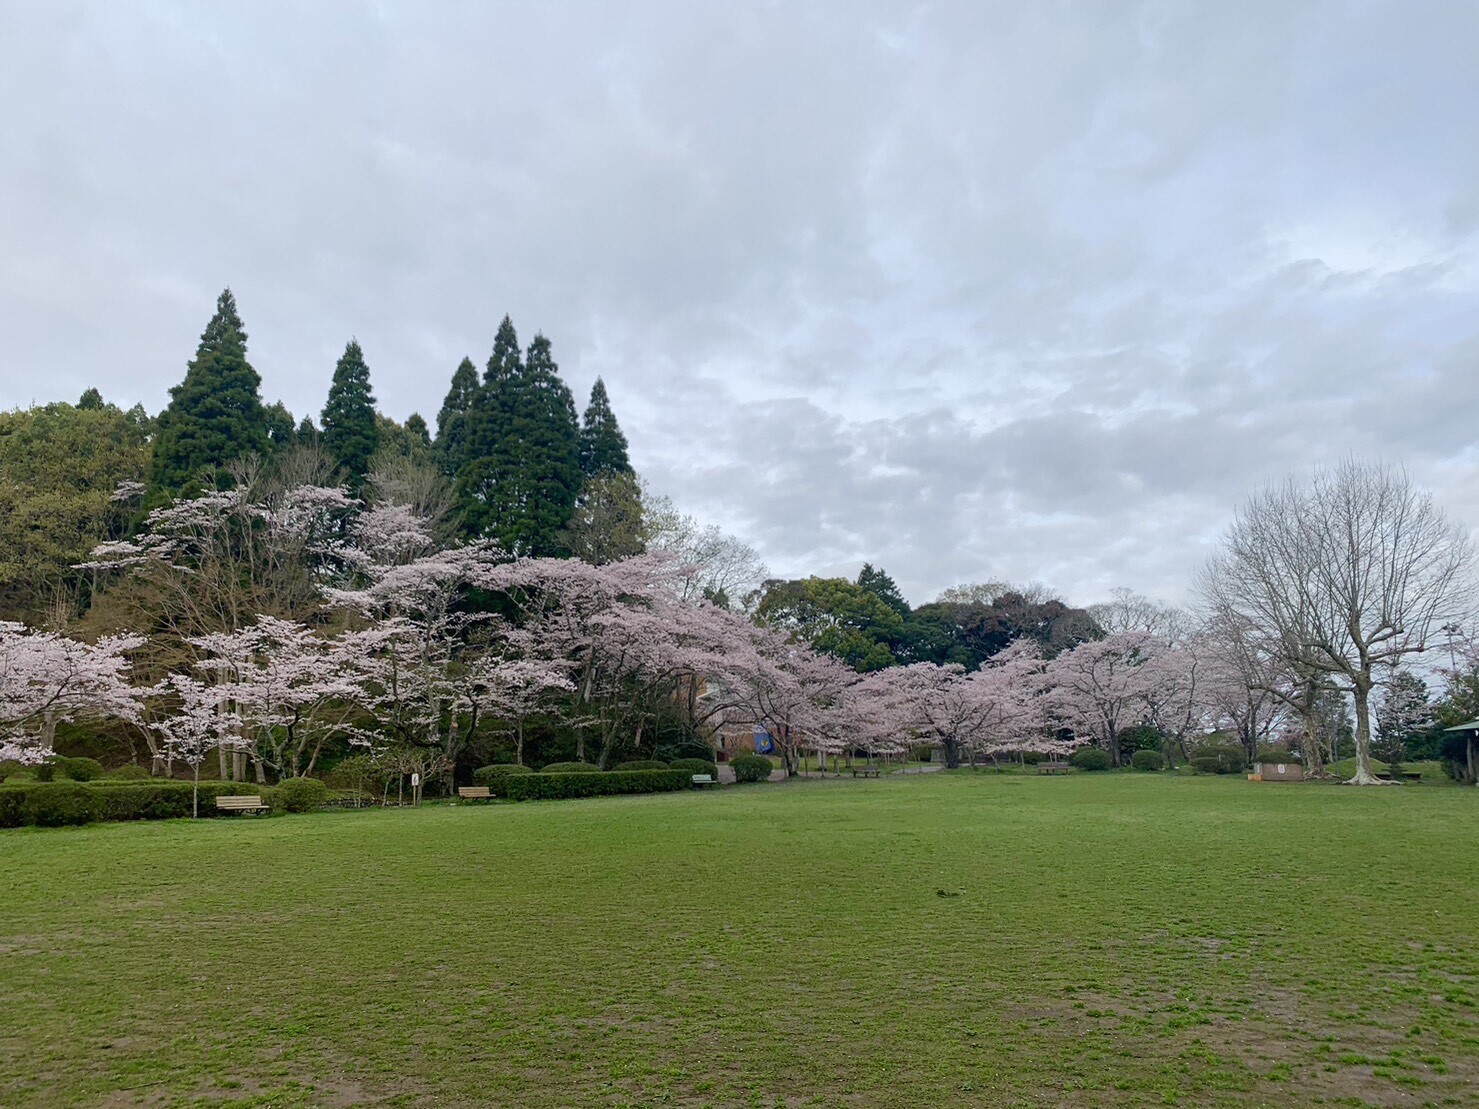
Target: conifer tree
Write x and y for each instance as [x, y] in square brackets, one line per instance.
[451, 442]
[522, 480]
[416, 428]
[215, 415]
[281, 431]
[350, 434]
[603, 448]
[90, 400]
[307, 433]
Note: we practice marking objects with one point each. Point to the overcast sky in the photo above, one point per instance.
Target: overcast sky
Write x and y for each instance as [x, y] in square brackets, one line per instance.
[1025, 290]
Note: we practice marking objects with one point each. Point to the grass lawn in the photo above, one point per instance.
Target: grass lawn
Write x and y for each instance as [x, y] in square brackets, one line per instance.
[940, 939]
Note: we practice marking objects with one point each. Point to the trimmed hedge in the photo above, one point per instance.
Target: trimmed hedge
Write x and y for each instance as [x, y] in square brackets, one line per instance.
[696, 766]
[751, 768]
[1089, 758]
[129, 773]
[642, 764]
[51, 804]
[1148, 760]
[547, 787]
[572, 768]
[496, 777]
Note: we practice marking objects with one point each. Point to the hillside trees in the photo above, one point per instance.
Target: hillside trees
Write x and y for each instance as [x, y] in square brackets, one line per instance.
[68, 480]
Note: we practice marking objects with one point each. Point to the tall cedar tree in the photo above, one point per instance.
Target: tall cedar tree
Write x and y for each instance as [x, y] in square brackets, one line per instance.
[215, 415]
[882, 586]
[520, 484]
[451, 443]
[350, 433]
[603, 448]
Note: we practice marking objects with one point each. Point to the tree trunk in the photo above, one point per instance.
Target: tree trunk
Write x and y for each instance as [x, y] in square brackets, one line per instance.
[1362, 694]
[952, 753]
[195, 793]
[225, 770]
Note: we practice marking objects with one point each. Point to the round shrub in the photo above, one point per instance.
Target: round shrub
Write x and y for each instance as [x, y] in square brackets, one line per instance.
[642, 764]
[695, 766]
[299, 795]
[44, 771]
[751, 768]
[9, 767]
[496, 777]
[1148, 760]
[1231, 759]
[129, 773]
[1089, 758]
[1203, 764]
[79, 770]
[571, 768]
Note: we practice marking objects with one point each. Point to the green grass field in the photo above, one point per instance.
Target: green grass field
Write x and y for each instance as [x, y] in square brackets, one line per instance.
[962, 939]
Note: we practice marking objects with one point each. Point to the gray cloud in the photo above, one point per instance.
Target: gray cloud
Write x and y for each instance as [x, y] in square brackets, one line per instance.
[968, 290]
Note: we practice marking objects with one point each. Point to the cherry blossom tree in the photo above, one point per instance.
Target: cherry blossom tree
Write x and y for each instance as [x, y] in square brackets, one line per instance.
[1102, 686]
[47, 678]
[197, 725]
[291, 689]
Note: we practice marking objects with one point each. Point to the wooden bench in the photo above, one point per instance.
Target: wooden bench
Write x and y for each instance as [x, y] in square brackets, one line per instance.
[240, 804]
[474, 793]
[866, 772]
[1052, 768]
[705, 780]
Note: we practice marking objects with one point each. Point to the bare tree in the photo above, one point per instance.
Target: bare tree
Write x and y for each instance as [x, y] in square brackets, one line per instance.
[1342, 576]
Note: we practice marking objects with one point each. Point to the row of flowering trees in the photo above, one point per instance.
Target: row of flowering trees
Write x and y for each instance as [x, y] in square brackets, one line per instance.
[283, 620]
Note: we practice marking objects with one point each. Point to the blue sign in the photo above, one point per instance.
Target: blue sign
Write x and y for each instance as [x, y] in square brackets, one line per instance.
[764, 745]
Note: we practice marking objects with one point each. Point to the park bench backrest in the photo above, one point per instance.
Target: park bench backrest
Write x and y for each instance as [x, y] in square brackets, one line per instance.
[235, 804]
[474, 791]
[702, 779]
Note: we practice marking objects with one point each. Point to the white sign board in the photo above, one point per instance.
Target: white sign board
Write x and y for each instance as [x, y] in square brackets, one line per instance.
[415, 780]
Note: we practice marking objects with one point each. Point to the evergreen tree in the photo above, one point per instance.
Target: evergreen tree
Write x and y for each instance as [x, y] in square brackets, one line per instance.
[307, 433]
[884, 588]
[90, 400]
[350, 432]
[451, 442]
[280, 428]
[603, 448]
[416, 428]
[523, 475]
[215, 415]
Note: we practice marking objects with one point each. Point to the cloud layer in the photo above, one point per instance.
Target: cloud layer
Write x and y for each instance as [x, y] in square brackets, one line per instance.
[966, 290]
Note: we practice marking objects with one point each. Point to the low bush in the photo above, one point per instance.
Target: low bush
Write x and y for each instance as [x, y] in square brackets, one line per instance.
[1148, 760]
[922, 754]
[642, 764]
[1089, 758]
[696, 766]
[1207, 764]
[572, 768]
[547, 786]
[1268, 752]
[44, 772]
[751, 768]
[1032, 758]
[78, 770]
[1231, 759]
[688, 749]
[129, 773]
[496, 777]
[299, 795]
[9, 767]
